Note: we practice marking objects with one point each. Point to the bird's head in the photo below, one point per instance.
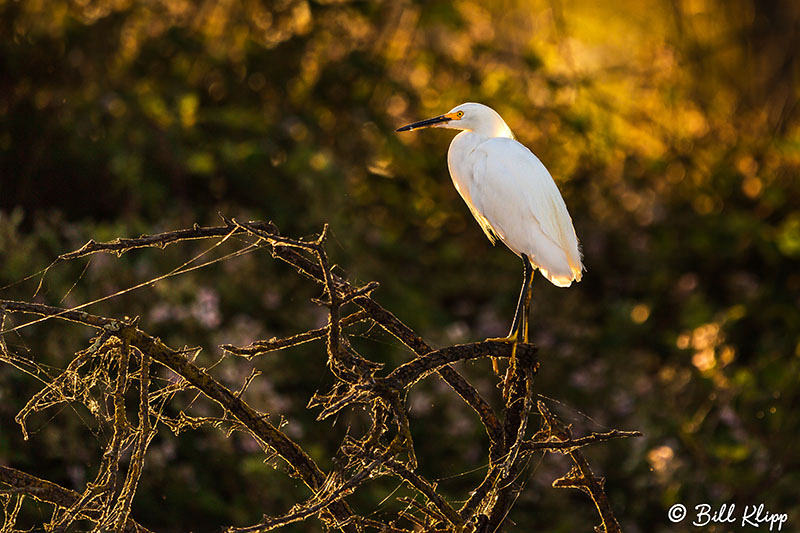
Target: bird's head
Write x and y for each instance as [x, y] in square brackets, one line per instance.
[470, 116]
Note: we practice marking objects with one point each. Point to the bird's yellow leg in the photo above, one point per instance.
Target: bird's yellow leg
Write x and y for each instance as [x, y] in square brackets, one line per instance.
[526, 312]
[513, 337]
[519, 327]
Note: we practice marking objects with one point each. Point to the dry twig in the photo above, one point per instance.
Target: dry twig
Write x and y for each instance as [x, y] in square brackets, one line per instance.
[120, 360]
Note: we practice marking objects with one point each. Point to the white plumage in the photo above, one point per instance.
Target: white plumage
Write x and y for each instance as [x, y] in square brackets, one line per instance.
[509, 191]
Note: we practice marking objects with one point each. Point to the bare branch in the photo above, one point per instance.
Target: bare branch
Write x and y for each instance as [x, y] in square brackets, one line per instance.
[161, 240]
[567, 446]
[330, 493]
[256, 422]
[409, 373]
[581, 475]
[426, 489]
[262, 347]
[122, 354]
[52, 493]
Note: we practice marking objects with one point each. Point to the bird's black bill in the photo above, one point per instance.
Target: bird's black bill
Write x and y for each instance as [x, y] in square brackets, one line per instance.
[425, 123]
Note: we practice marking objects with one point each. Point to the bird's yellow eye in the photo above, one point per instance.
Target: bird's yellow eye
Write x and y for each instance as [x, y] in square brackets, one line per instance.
[460, 114]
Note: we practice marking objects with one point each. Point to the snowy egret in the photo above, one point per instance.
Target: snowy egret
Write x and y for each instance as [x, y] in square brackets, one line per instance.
[513, 197]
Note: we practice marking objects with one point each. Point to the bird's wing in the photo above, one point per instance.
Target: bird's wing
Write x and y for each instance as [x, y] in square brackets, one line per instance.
[510, 187]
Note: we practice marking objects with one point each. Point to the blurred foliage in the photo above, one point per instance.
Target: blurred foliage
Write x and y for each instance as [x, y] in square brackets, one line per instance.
[671, 127]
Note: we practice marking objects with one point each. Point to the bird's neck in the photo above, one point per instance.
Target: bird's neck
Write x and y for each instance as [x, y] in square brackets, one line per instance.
[466, 141]
[494, 128]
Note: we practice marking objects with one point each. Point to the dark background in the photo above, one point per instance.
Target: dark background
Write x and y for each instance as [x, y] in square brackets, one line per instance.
[671, 127]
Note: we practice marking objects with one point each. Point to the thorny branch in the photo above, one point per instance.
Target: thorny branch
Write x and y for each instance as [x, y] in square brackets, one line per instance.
[581, 475]
[23, 484]
[121, 356]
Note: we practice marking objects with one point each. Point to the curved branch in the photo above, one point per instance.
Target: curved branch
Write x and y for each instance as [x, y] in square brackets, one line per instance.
[53, 493]
[397, 328]
[409, 373]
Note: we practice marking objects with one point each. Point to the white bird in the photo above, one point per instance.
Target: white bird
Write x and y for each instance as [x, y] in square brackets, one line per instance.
[513, 197]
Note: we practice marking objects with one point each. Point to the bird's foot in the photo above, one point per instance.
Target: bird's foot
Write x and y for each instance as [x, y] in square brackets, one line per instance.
[512, 339]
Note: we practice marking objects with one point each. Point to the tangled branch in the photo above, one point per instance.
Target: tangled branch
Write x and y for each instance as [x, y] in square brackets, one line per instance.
[121, 356]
